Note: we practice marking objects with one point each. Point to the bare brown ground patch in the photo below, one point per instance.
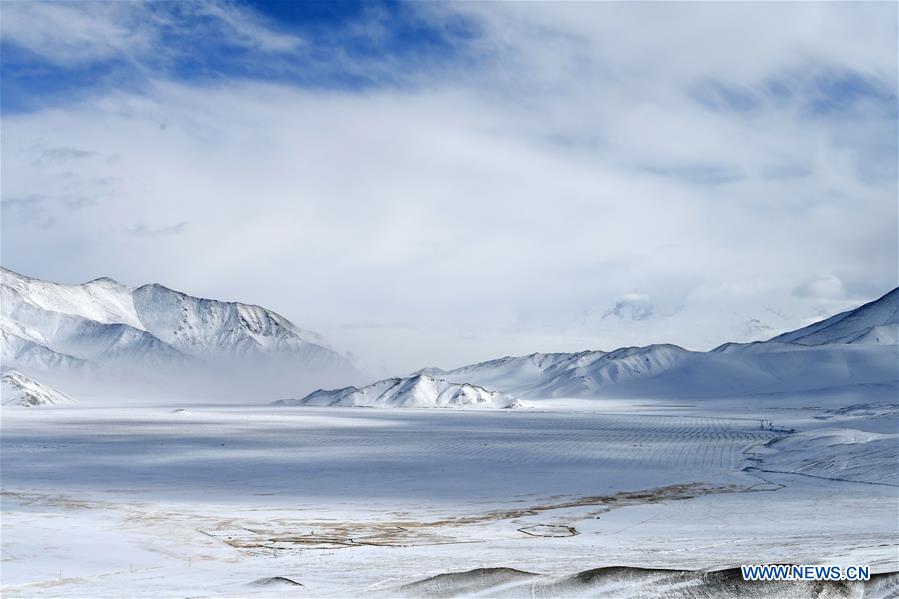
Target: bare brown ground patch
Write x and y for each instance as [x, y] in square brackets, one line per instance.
[288, 535]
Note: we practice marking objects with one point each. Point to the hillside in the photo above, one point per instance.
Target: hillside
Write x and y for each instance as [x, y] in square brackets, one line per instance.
[417, 391]
[103, 330]
[857, 347]
[16, 389]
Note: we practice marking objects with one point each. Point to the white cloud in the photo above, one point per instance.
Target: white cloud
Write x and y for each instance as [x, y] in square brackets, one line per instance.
[69, 33]
[246, 28]
[478, 212]
[85, 32]
[828, 287]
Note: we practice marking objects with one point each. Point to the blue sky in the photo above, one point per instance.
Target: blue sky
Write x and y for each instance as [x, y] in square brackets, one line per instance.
[435, 183]
[310, 44]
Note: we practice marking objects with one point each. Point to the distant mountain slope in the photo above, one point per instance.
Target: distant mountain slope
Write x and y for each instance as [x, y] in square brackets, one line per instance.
[852, 348]
[34, 319]
[101, 300]
[876, 322]
[203, 327]
[118, 330]
[18, 350]
[16, 389]
[510, 372]
[417, 391]
[567, 375]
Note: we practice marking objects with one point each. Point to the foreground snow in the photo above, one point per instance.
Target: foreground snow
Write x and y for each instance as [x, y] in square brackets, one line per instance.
[147, 501]
[647, 458]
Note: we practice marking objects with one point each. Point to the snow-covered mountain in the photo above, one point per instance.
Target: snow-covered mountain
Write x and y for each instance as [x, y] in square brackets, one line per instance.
[510, 372]
[106, 331]
[875, 323]
[16, 389]
[857, 347]
[417, 391]
[580, 374]
[106, 328]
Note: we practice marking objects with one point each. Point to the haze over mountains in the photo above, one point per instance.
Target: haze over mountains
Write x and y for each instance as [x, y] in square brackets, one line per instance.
[874, 323]
[699, 322]
[857, 347]
[79, 337]
[106, 331]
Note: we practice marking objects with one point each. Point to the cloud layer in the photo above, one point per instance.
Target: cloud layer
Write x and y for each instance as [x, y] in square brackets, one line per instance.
[723, 162]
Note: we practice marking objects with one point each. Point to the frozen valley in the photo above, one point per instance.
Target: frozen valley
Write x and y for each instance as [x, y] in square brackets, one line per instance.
[638, 471]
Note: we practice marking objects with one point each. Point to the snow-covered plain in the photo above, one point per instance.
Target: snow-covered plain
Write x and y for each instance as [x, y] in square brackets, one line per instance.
[198, 500]
[646, 460]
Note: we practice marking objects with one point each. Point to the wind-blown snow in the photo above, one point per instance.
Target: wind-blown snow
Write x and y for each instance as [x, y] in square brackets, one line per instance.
[245, 494]
[108, 329]
[361, 502]
[113, 330]
[837, 454]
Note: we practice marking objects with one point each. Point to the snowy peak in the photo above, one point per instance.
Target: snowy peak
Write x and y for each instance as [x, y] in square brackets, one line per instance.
[586, 374]
[101, 300]
[16, 389]
[874, 323]
[578, 374]
[197, 325]
[188, 323]
[153, 329]
[510, 373]
[417, 391]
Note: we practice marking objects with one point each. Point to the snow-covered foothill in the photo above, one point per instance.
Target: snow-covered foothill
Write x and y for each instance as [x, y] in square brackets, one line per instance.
[16, 389]
[417, 391]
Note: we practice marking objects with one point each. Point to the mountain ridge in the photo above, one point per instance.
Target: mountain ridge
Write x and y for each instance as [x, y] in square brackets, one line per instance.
[852, 326]
[113, 328]
[103, 327]
[416, 391]
[820, 351]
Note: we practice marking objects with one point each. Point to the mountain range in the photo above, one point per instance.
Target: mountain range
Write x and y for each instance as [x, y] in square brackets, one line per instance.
[154, 339]
[109, 332]
[854, 347]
